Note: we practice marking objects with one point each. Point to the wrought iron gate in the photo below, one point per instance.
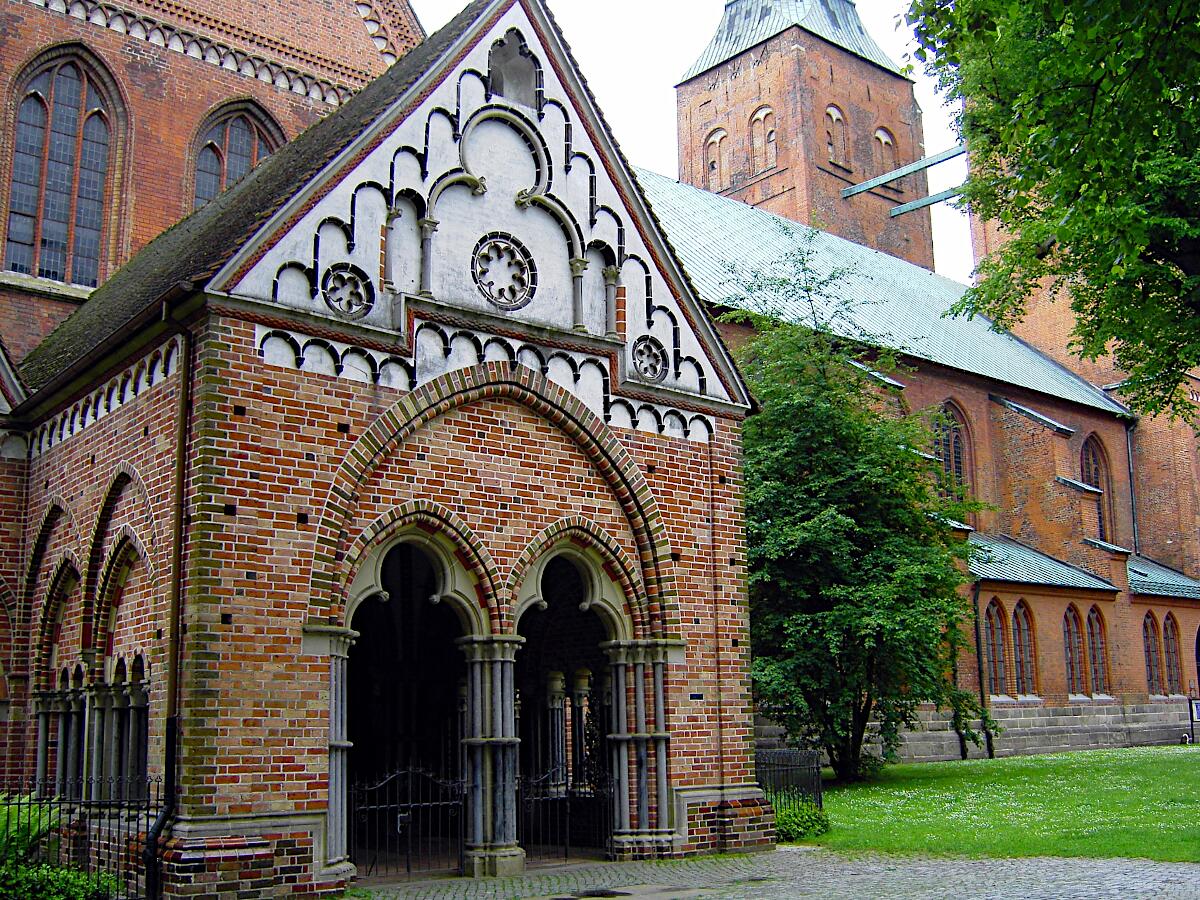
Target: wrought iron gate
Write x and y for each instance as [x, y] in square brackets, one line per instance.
[409, 822]
[566, 795]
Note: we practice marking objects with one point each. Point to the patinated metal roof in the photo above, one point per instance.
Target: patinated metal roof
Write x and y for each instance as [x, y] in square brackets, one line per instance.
[878, 298]
[748, 23]
[999, 558]
[1156, 580]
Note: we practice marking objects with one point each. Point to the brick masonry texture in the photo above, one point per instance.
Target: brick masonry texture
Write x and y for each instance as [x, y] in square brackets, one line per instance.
[294, 476]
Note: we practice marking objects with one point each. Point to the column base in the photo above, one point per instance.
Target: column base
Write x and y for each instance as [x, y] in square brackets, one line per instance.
[497, 862]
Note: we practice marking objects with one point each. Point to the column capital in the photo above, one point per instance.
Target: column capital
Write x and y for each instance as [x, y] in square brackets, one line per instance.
[578, 267]
[491, 647]
[340, 638]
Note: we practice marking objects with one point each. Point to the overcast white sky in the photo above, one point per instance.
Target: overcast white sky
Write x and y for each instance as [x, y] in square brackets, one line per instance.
[633, 52]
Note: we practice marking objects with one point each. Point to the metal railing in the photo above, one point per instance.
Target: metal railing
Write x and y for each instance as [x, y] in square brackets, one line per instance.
[789, 777]
[93, 825]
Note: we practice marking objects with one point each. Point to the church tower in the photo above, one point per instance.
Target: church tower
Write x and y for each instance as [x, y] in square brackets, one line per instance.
[791, 103]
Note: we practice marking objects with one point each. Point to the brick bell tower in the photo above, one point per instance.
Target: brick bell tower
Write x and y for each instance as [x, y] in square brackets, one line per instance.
[791, 102]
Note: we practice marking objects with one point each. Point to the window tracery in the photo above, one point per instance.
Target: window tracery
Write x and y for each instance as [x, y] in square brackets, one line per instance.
[234, 144]
[60, 180]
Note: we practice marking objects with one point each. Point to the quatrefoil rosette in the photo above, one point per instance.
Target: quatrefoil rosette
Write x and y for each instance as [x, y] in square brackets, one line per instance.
[650, 358]
[348, 291]
[504, 271]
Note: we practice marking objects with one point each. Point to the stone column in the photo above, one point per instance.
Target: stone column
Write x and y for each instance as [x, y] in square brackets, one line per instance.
[61, 709]
[612, 278]
[578, 267]
[428, 228]
[641, 741]
[492, 746]
[662, 738]
[99, 709]
[619, 737]
[43, 743]
[335, 641]
[556, 731]
[581, 691]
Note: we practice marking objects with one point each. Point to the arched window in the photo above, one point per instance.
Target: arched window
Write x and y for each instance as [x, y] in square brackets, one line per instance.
[835, 137]
[235, 141]
[715, 166]
[1097, 647]
[60, 180]
[1024, 654]
[1152, 647]
[1094, 471]
[1073, 652]
[950, 446]
[763, 144]
[993, 636]
[1172, 656]
[885, 153]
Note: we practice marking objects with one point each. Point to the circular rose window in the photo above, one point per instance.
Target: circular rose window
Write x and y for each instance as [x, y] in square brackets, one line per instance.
[348, 291]
[650, 359]
[504, 271]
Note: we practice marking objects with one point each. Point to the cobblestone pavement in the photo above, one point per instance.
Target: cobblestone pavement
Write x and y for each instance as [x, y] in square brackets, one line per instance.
[807, 872]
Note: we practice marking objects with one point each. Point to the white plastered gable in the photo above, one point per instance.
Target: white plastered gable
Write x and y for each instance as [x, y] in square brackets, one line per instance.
[498, 201]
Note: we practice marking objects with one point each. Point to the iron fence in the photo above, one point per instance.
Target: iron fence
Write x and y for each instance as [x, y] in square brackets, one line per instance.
[94, 825]
[789, 777]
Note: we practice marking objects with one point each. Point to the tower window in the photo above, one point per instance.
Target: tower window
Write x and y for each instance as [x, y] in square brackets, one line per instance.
[763, 144]
[60, 175]
[885, 155]
[835, 137]
[715, 158]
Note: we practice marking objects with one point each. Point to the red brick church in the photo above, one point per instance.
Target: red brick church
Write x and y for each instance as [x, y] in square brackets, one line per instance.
[387, 506]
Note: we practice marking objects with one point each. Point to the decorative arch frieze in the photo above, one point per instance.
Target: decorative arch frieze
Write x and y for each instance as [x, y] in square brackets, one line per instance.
[498, 381]
[465, 163]
[434, 520]
[162, 34]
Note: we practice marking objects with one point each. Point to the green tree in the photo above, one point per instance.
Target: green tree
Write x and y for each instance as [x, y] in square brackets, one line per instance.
[855, 606]
[1083, 121]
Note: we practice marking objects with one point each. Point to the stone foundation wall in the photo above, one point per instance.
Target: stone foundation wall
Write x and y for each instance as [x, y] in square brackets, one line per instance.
[1030, 730]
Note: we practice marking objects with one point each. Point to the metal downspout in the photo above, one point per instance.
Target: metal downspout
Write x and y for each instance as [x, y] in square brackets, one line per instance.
[1130, 427]
[987, 731]
[183, 413]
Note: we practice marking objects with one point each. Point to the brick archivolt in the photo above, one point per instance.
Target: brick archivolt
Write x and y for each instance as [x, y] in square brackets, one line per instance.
[431, 522]
[205, 49]
[514, 383]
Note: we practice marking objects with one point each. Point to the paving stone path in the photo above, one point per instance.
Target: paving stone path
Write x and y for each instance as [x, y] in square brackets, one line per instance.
[807, 872]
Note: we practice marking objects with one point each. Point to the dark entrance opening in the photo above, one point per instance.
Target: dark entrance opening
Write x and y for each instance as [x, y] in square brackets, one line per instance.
[405, 708]
[564, 708]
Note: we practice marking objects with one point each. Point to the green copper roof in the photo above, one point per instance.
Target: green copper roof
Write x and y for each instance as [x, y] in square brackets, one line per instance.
[999, 558]
[882, 300]
[1156, 580]
[748, 23]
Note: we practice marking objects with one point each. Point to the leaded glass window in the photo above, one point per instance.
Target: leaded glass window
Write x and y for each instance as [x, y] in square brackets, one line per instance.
[950, 446]
[1073, 652]
[1153, 652]
[232, 147]
[997, 667]
[1173, 657]
[1097, 653]
[59, 185]
[1023, 650]
[1095, 474]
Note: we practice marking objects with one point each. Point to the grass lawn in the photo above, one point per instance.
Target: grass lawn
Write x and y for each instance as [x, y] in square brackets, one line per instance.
[1142, 802]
